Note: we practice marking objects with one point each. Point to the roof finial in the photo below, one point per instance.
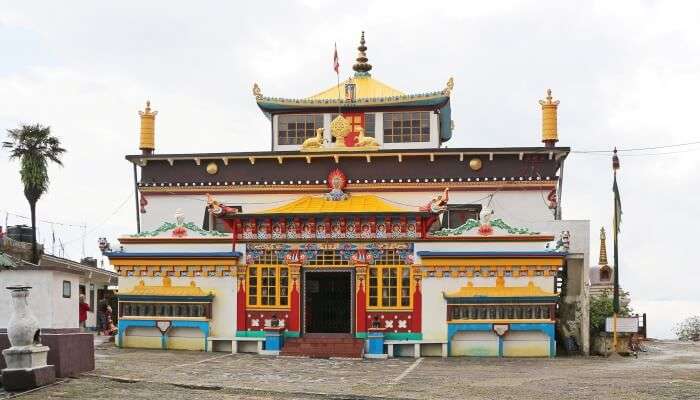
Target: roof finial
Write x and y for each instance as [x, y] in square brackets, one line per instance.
[550, 135]
[603, 260]
[147, 136]
[362, 68]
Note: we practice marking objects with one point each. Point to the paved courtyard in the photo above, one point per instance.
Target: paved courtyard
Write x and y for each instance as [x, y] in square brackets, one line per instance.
[668, 370]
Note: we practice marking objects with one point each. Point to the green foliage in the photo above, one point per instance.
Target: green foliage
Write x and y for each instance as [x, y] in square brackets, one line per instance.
[601, 307]
[34, 147]
[688, 329]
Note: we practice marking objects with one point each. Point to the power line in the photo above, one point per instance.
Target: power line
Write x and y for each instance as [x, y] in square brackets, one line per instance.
[639, 148]
[85, 233]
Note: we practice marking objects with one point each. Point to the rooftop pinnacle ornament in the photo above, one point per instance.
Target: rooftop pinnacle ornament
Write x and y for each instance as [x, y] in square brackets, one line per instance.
[362, 68]
[550, 135]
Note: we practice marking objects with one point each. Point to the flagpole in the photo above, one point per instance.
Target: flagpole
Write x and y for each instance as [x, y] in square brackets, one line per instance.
[616, 229]
[336, 67]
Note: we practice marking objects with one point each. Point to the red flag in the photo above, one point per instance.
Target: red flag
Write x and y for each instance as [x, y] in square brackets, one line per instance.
[336, 65]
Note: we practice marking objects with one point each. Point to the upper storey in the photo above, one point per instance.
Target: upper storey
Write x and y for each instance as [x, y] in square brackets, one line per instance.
[359, 114]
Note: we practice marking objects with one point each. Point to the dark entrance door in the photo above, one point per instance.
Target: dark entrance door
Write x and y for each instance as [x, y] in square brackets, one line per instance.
[327, 306]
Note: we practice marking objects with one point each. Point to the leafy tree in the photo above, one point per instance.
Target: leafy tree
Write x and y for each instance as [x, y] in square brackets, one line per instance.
[601, 307]
[688, 329]
[34, 147]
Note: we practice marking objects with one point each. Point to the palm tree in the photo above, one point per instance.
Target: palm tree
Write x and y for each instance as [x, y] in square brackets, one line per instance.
[34, 146]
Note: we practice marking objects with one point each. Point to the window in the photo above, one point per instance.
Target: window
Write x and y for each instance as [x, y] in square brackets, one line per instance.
[458, 214]
[66, 289]
[295, 128]
[268, 286]
[406, 127]
[389, 287]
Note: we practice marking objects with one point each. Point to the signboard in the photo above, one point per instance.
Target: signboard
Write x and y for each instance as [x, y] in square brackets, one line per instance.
[624, 324]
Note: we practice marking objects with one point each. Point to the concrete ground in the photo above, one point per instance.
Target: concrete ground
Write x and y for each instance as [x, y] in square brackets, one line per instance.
[668, 370]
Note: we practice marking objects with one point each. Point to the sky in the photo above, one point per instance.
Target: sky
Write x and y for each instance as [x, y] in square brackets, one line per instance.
[627, 75]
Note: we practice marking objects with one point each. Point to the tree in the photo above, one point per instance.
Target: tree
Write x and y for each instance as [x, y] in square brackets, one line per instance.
[601, 307]
[688, 329]
[34, 147]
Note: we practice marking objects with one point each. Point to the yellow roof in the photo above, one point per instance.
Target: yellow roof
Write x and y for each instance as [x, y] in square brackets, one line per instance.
[166, 289]
[366, 87]
[500, 290]
[319, 204]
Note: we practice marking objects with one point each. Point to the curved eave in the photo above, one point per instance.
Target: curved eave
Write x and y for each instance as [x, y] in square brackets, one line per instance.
[274, 105]
[318, 214]
[117, 255]
[165, 298]
[488, 299]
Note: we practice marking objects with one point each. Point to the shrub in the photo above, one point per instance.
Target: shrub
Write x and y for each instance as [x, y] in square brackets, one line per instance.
[688, 329]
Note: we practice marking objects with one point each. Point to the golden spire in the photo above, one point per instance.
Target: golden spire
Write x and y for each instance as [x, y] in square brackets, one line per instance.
[148, 121]
[603, 260]
[549, 120]
[362, 68]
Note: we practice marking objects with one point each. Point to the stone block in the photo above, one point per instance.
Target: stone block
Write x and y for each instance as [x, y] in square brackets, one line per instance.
[23, 379]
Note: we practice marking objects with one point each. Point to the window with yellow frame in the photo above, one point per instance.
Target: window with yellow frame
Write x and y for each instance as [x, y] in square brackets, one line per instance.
[268, 286]
[389, 286]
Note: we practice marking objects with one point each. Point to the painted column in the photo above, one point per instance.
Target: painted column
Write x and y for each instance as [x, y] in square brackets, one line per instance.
[416, 321]
[294, 321]
[360, 300]
[241, 300]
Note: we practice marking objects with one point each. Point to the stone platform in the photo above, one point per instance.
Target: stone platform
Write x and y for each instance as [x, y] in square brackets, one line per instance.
[23, 379]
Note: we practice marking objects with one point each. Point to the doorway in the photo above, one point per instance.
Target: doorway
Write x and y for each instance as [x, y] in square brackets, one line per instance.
[328, 302]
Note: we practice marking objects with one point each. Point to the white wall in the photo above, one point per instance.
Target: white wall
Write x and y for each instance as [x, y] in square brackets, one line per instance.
[517, 208]
[45, 299]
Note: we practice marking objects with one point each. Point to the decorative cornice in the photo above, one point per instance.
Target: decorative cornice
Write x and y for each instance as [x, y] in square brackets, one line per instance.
[261, 187]
[227, 239]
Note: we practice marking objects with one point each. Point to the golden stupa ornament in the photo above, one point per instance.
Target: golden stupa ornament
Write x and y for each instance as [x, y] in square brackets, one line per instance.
[148, 129]
[550, 136]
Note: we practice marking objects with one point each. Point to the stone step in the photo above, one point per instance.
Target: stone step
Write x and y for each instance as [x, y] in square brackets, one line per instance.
[324, 347]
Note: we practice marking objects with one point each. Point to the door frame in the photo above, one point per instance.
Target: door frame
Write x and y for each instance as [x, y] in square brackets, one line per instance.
[304, 270]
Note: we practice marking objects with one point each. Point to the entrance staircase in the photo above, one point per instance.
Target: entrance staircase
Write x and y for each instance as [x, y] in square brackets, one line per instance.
[324, 347]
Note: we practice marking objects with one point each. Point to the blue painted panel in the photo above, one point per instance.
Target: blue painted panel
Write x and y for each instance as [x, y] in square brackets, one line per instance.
[124, 324]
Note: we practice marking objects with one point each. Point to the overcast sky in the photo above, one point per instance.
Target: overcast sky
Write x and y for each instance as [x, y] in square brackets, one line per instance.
[627, 75]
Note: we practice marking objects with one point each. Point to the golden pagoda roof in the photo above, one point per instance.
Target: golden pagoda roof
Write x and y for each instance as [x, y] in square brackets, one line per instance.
[366, 87]
[166, 289]
[320, 205]
[500, 290]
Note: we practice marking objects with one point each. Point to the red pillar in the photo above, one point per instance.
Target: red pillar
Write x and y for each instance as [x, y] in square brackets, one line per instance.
[293, 322]
[417, 309]
[361, 308]
[241, 316]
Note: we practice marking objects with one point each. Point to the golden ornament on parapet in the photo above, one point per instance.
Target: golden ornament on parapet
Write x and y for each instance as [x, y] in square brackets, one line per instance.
[475, 164]
[340, 127]
[212, 168]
